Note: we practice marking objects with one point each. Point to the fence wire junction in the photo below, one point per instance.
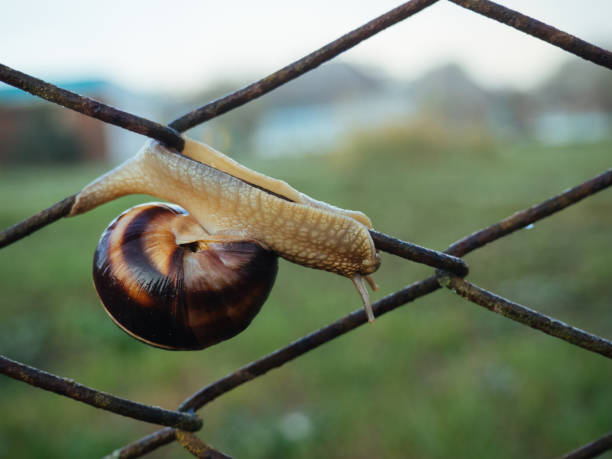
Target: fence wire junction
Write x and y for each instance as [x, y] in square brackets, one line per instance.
[450, 268]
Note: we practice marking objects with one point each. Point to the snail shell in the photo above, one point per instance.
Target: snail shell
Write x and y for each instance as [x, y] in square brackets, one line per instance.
[225, 197]
[167, 282]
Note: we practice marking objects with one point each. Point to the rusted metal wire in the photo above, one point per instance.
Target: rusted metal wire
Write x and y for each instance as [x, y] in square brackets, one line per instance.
[145, 445]
[410, 293]
[197, 447]
[476, 240]
[299, 67]
[306, 344]
[540, 30]
[420, 254]
[108, 402]
[428, 285]
[382, 241]
[457, 266]
[277, 359]
[90, 107]
[528, 216]
[593, 449]
[36, 221]
[168, 135]
[163, 437]
[527, 316]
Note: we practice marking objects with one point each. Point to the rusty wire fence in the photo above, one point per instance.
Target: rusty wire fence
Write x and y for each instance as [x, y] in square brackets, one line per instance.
[450, 269]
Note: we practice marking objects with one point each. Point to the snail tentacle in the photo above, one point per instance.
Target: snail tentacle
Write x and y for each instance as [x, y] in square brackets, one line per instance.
[359, 283]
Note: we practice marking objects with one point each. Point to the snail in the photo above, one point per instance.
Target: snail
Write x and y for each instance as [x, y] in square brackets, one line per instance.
[230, 211]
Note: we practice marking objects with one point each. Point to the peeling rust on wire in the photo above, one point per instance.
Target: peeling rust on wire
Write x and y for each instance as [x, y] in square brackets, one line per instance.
[90, 107]
[108, 402]
[299, 67]
[526, 316]
[540, 30]
[163, 437]
[197, 447]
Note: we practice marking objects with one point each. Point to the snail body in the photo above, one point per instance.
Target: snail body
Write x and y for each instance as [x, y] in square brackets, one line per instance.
[310, 233]
[167, 282]
[241, 214]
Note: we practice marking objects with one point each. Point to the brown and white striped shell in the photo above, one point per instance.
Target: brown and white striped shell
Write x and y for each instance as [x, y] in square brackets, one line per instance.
[167, 282]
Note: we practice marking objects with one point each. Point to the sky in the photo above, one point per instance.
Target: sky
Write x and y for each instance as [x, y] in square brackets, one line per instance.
[146, 46]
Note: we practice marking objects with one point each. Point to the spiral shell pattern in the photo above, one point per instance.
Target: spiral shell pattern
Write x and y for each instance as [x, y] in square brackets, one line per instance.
[167, 282]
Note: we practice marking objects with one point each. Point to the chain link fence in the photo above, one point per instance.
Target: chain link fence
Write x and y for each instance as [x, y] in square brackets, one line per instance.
[450, 273]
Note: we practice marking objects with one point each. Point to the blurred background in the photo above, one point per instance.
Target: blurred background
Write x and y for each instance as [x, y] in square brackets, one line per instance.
[435, 128]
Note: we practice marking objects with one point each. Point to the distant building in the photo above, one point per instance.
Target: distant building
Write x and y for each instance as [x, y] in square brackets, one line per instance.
[319, 128]
[317, 111]
[563, 127]
[33, 130]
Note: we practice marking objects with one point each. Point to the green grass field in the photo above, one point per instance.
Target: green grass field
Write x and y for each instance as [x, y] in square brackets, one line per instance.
[437, 378]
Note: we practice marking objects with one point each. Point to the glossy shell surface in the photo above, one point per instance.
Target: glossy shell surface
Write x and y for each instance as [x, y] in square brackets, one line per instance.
[164, 280]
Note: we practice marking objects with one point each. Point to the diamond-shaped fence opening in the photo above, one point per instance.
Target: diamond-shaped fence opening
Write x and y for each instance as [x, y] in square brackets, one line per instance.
[450, 269]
